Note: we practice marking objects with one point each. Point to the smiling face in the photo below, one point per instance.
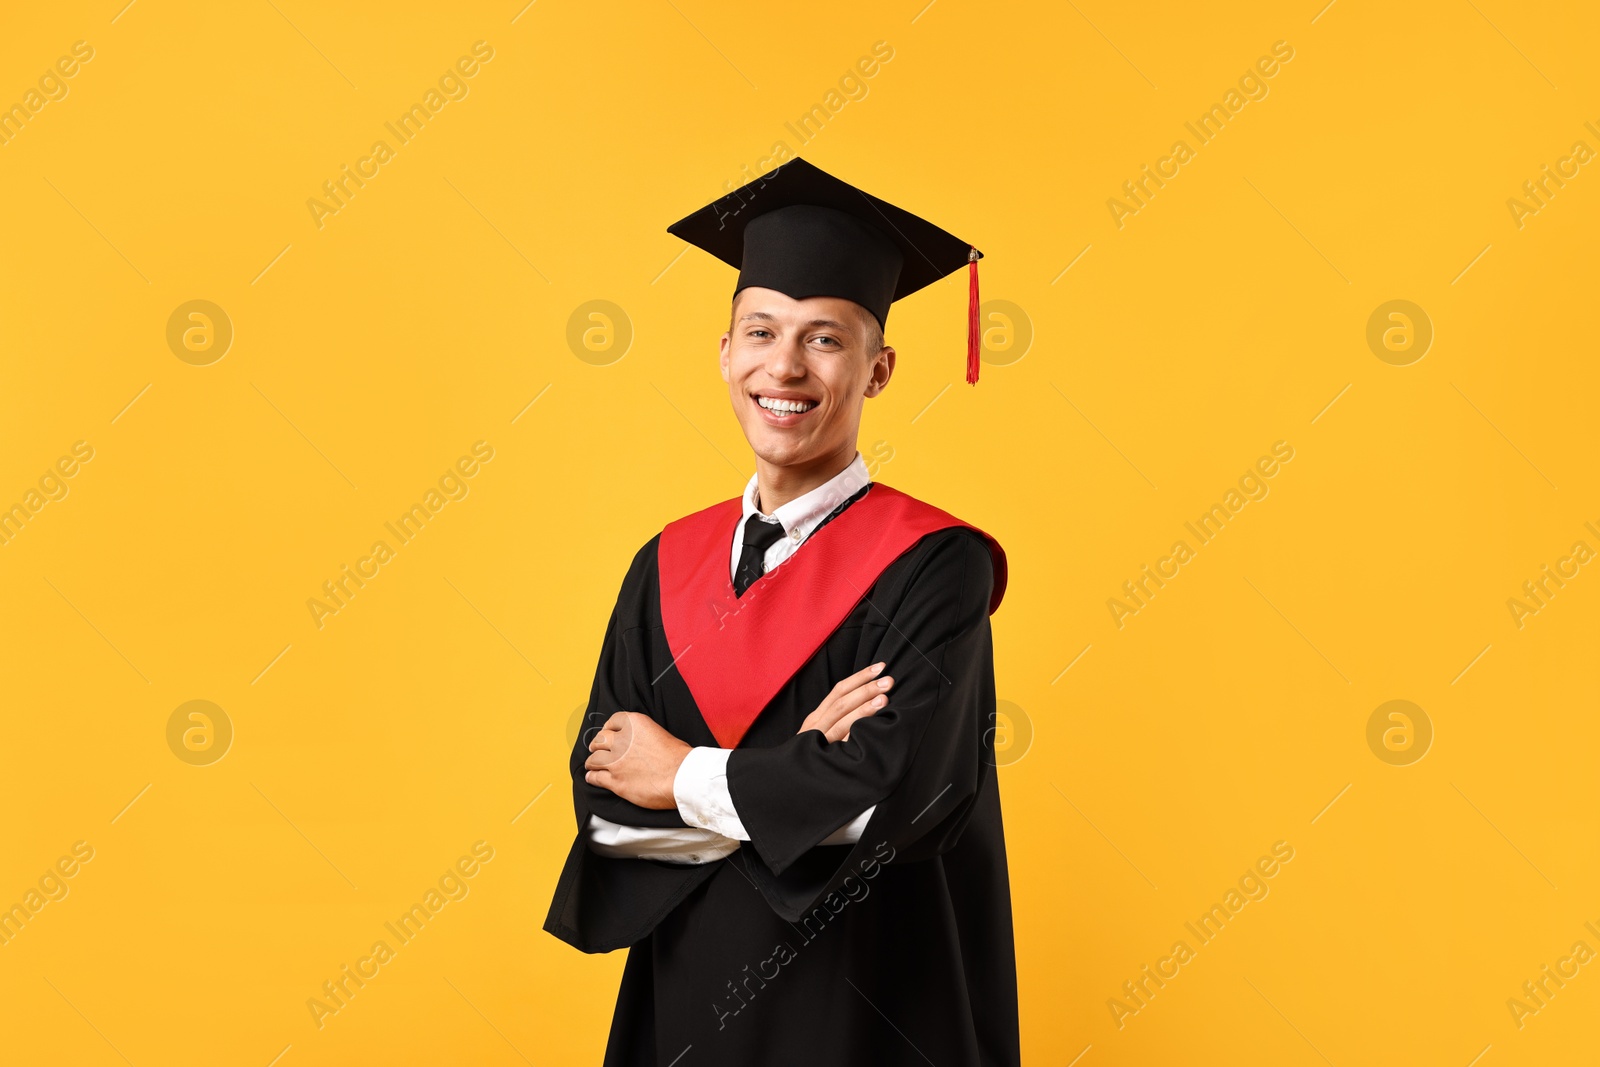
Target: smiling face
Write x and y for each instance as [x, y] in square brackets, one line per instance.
[798, 372]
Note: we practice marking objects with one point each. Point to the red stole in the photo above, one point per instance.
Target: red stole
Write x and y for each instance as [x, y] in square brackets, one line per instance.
[735, 653]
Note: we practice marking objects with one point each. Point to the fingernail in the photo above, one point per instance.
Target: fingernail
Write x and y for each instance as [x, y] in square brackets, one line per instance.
[879, 702]
[877, 668]
[884, 683]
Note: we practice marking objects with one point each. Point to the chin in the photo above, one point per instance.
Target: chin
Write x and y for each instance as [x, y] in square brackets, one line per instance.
[780, 451]
[777, 453]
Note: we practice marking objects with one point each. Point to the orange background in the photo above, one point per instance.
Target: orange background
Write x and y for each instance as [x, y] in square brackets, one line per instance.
[1139, 364]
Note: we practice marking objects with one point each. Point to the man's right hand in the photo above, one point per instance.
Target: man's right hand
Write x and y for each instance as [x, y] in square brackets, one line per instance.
[858, 696]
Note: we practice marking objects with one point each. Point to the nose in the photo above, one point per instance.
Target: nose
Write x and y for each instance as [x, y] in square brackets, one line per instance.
[786, 360]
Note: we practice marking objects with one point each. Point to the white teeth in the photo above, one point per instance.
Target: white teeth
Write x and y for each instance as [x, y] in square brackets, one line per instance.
[784, 407]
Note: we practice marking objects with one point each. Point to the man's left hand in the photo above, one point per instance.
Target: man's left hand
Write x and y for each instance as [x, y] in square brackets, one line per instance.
[636, 759]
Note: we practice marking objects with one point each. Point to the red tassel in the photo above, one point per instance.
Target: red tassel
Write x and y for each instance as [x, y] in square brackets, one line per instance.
[972, 316]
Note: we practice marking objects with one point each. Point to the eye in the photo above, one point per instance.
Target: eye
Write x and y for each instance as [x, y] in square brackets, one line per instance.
[758, 331]
[830, 341]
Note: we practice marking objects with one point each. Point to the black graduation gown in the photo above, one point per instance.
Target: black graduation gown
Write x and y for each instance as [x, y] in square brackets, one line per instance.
[897, 949]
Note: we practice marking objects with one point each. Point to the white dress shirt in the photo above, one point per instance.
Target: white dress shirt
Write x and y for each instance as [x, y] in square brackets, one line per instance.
[701, 785]
[799, 516]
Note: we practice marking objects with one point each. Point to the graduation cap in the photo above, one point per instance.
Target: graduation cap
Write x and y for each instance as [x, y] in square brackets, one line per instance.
[803, 232]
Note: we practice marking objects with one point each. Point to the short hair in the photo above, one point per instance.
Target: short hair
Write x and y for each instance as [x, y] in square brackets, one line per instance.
[874, 331]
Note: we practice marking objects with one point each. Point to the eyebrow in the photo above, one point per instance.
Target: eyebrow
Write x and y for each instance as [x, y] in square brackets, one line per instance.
[813, 322]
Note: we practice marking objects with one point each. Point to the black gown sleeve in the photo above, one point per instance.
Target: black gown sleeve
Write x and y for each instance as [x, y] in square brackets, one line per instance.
[621, 683]
[603, 903]
[923, 759]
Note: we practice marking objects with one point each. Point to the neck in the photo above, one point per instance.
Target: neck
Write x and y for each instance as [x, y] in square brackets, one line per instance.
[777, 485]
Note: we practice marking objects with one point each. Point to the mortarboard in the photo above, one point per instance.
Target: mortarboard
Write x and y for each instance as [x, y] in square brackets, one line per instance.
[803, 232]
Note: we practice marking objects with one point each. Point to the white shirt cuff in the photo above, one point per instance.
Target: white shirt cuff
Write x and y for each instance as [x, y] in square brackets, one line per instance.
[850, 832]
[701, 791]
[673, 844]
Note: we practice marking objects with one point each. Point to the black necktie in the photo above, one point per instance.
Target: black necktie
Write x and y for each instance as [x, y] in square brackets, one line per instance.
[758, 537]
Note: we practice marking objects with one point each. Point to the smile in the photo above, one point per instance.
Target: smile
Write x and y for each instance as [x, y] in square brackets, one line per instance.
[785, 408]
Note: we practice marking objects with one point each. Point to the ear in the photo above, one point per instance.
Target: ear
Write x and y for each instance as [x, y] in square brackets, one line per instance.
[727, 336]
[882, 371]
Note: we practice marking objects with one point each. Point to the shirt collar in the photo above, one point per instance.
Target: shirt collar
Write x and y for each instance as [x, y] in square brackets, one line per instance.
[801, 515]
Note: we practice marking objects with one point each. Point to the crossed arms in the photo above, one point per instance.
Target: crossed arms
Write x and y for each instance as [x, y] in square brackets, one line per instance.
[635, 758]
[636, 784]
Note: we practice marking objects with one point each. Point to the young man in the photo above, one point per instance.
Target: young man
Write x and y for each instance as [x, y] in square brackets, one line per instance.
[786, 798]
